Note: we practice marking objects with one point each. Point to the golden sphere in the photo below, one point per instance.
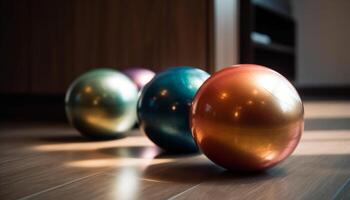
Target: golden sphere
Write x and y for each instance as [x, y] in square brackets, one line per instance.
[101, 104]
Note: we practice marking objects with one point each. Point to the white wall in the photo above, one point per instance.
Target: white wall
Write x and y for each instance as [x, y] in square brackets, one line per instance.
[226, 33]
[323, 44]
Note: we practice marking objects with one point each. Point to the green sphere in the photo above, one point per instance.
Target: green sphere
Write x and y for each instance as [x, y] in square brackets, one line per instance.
[101, 104]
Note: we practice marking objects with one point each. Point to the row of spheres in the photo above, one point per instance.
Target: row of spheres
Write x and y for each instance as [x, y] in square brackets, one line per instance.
[244, 117]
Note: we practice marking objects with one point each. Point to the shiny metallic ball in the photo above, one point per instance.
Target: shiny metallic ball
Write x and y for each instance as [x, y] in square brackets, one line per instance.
[247, 117]
[101, 104]
[163, 108]
[140, 76]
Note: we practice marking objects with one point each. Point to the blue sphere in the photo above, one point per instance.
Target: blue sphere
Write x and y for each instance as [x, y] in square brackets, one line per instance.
[163, 108]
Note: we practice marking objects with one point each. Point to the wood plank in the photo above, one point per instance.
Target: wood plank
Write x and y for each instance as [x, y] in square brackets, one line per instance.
[24, 170]
[47, 44]
[158, 180]
[44, 161]
[308, 177]
[38, 158]
[31, 155]
[14, 46]
[35, 173]
[184, 34]
[343, 192]
[124, 185]
[52, 47]
[305, 175]
[316, 170]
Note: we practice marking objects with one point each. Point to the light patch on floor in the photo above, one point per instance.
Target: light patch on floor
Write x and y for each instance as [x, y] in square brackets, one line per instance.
[117, 162]
[133, 141]
[327, 109]
[335, 142]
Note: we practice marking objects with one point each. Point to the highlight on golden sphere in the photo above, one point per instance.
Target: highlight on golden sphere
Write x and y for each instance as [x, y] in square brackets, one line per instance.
[247, 117]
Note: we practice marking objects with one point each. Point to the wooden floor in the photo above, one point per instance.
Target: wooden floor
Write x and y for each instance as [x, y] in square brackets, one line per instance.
[52, 161]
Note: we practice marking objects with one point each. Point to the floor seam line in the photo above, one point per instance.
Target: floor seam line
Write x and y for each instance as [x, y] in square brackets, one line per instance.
[339, 191]
[183, 192]
[58, 186]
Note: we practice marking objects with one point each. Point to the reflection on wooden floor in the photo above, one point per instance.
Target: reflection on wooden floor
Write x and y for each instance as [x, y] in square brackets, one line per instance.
[50, 161]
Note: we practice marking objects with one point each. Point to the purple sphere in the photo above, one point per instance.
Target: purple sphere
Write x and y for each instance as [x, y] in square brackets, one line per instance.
[140, 76]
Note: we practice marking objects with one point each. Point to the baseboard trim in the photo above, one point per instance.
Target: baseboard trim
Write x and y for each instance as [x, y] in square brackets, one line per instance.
[325, 93]
[35, 107]
[32, 107]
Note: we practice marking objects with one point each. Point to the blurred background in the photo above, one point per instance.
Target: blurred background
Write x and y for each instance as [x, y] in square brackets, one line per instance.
[47, 44]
